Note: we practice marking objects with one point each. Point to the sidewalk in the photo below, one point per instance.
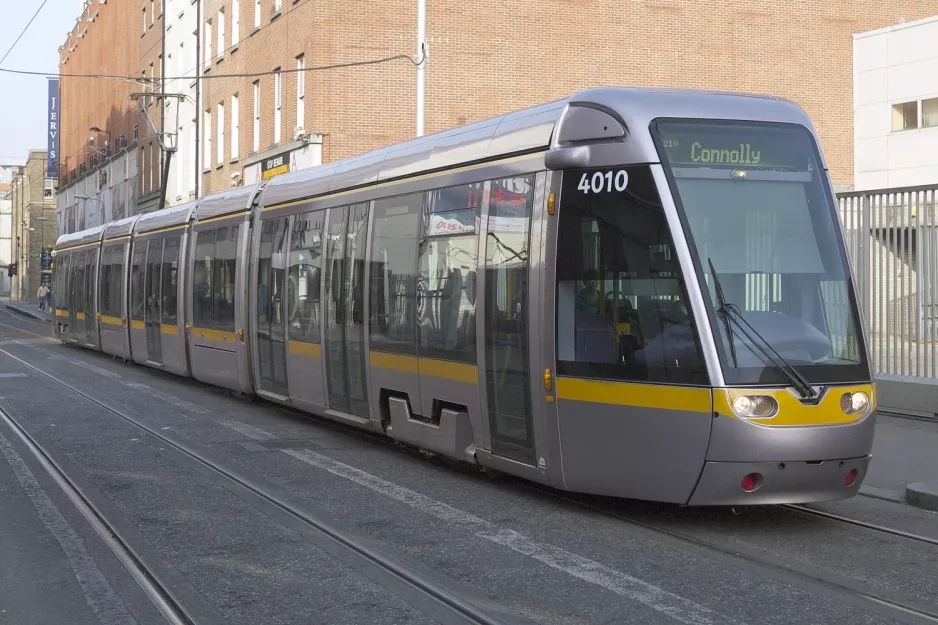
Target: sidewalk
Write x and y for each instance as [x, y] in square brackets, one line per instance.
[905, 451]
[29, 309]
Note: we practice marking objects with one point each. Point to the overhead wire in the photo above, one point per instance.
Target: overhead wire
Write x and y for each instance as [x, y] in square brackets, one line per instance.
[23, 32]
[316, 68]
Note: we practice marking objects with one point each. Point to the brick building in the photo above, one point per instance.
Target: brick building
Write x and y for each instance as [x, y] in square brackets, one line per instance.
[491, 57]
[105, 142]
[243, 122]
[33, 220]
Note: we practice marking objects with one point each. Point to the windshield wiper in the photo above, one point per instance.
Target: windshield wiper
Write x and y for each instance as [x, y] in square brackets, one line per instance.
[804, 387]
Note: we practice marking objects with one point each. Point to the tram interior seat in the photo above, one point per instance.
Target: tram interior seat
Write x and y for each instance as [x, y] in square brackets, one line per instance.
[596, 339]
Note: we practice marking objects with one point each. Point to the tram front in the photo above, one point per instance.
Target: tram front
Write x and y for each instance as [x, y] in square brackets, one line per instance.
[793, 410]
[709, 345]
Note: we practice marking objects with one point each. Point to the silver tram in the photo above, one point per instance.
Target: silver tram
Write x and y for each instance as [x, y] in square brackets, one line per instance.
[630, 292]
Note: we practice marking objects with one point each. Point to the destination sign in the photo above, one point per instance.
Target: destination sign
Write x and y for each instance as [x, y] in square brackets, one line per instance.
[725, 145]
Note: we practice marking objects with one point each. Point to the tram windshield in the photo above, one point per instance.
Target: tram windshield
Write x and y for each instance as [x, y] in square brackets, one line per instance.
[758, 212]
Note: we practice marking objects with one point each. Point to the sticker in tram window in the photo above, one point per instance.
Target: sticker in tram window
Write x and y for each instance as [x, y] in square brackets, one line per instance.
[603, 181]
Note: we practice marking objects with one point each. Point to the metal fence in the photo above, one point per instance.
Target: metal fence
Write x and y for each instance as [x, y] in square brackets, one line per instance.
[892, 239]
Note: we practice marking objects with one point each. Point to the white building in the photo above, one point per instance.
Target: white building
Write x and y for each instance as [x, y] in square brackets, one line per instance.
[895, 95]
[181, 28]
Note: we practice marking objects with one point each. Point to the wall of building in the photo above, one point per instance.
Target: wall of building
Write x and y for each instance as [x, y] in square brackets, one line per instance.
[896, 106]
[480, 67]
[181, 34]
[149, 152]
[34, 225]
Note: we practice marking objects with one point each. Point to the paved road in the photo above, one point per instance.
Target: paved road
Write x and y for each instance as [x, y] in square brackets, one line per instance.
[524, 554]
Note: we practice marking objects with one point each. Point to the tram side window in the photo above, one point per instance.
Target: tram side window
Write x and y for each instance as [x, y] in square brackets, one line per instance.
[110, 286]
[202, 279]
[170, 277]
[622, 310]
[449, 254]
[303, 281]
[393, 314]
[137, 273]
[223, 279]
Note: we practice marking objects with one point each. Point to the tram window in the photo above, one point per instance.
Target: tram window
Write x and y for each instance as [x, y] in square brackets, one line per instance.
[170, 276]
[449, 254]
[202, 278]
[622, 309]
[110, 286]
[223, 280]
[137, 272]
[304, 279]
[394, 274]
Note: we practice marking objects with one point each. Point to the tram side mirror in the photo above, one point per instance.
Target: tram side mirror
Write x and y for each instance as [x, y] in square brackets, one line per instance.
[568, 158]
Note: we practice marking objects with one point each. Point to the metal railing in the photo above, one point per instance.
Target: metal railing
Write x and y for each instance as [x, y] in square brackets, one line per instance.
[892, 239]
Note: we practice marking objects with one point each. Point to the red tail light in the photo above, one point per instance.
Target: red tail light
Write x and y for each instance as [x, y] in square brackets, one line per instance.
[851, 477]
[751, 482]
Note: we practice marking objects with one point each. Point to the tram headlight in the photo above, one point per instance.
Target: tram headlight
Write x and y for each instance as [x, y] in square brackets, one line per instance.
[854, 403]
[755, 406]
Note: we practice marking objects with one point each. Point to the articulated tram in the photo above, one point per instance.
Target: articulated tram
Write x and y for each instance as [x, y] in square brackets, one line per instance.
[634, 293]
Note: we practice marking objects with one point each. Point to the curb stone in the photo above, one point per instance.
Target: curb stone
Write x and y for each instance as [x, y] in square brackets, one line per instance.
[26, 312]
[922, 495]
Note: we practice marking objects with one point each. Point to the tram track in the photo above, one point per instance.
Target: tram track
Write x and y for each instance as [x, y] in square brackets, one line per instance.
[436, 597]
[881, 605]
[858, 523]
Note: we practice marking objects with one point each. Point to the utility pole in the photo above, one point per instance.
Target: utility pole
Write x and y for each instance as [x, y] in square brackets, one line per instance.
[422, 59]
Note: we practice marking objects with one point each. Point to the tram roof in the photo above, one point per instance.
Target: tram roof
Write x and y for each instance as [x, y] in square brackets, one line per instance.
[227, 202]
[530, 130]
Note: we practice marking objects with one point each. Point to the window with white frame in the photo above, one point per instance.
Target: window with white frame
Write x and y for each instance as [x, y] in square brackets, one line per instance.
[144, 21]
[207, 138]
[278, 104]
[220, 130]
[300, 90]
[257, 13]
[235, 126]
[257, 116]
[221, 31]
[180, 62]
[278, 5]
[235, 22]
[208, 41]
[905, 116]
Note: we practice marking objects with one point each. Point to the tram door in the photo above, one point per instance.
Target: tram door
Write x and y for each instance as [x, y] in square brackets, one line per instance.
[76, 304]
[344, 312]
[506, 318]
[88, 292]
[271, 344]
[152, 302]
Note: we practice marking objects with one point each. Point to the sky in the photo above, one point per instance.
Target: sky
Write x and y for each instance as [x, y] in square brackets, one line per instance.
[23, 98]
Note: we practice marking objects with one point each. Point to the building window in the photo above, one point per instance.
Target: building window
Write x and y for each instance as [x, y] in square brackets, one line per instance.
[144, 21]
[235, 22]
[208, 41]
[207, 138]
[220, 128]
[930, 113]
[904, 116]
[278, 104]
[257, 116]
[152, 12]
[47, 188]
[180, 62]
[235, 126]
[257, 13]
[136, 131]
[300, 91]
[221, 31]
[278, 5]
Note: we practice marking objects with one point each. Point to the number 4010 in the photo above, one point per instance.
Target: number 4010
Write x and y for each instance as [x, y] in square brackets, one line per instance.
[601, 182]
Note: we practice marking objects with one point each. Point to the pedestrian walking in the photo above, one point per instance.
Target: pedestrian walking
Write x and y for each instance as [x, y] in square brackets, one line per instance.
[41, 294]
